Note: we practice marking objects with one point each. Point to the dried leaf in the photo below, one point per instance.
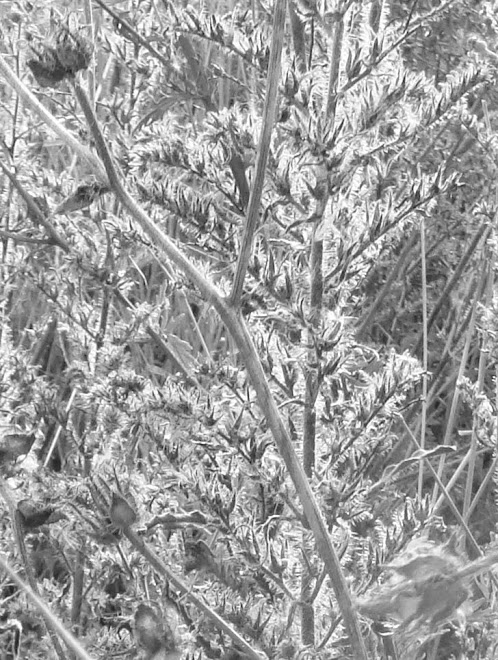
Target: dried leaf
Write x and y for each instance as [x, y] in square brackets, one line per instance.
[34, 515]
[13, 445]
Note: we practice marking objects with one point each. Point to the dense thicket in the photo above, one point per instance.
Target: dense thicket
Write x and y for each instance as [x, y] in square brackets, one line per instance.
[134, 421]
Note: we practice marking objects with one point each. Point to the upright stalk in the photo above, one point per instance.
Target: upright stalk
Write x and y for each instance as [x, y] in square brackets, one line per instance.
[313, 376]
[312, 386]
[424, 354]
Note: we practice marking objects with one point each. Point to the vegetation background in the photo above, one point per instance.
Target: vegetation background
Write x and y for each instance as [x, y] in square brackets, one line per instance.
[248, 348]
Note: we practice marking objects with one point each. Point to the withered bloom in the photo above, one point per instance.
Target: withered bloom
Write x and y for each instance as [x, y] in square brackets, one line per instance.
[68, 53]
[84, 195]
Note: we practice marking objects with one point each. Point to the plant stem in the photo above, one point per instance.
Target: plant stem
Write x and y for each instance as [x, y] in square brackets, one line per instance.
[52, 622]
[269, 112]
[186, 590]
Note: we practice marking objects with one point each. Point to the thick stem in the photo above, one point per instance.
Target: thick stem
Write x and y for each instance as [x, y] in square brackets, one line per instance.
[335, 62]
[315, 318]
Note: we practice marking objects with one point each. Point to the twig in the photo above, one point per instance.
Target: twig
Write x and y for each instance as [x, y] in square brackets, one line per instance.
[449, 499]
[481, 233]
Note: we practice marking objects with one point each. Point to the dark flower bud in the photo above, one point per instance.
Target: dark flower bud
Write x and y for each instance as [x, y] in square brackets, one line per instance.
[122, 514]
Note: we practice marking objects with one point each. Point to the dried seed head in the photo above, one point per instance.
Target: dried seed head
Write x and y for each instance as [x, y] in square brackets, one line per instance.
[121, 513]
[60, 58]
[73, 51]
[46, 68]
[84, 195]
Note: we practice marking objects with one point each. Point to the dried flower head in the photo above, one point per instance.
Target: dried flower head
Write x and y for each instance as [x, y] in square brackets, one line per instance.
[73, 50]
[84, 195]
[60, 57]
[33, 514]
[121, 513]
[45, 67]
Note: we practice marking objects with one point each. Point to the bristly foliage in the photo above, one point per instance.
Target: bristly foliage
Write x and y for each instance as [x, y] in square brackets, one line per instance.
[127, 395]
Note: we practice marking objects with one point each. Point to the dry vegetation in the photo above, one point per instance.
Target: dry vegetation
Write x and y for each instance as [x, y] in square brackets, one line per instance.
[248, 347]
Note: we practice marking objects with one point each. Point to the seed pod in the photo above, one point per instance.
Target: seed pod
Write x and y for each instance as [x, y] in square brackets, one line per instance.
[121, 513]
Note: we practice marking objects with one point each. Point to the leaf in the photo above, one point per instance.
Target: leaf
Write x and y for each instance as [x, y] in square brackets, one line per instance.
[14, 445]
[33, 515]
[417, 456]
